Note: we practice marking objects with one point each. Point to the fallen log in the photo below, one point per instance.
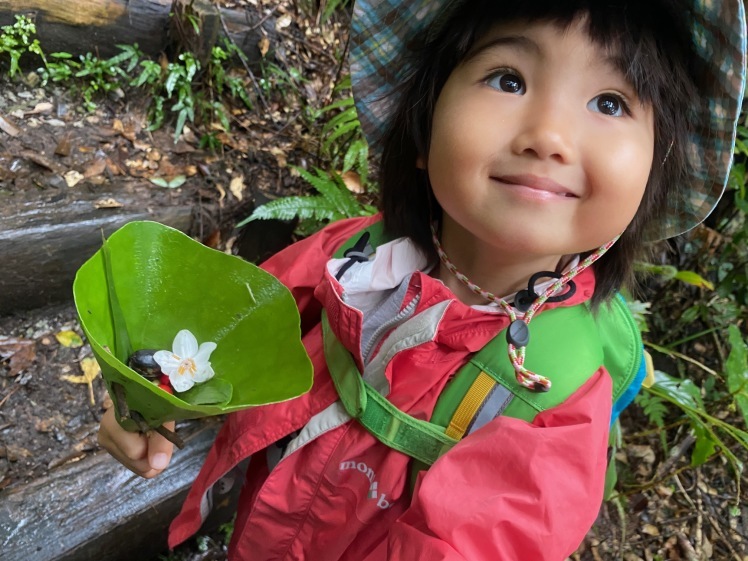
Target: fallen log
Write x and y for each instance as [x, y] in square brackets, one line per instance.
[45, 238]
[98, 26]
[96, 510]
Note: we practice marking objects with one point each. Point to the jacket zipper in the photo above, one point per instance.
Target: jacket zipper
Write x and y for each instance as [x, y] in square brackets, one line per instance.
[380, 332]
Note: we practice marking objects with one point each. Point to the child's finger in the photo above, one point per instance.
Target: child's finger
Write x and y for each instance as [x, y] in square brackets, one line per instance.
[131, 449]
[159, 449]
[122, 444]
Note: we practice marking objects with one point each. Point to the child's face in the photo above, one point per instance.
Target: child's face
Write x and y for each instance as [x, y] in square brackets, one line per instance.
[539, 145]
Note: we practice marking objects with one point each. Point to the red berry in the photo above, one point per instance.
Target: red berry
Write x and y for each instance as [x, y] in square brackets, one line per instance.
[165, 384]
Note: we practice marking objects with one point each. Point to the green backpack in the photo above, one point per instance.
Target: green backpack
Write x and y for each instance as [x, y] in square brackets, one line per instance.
[569, 343]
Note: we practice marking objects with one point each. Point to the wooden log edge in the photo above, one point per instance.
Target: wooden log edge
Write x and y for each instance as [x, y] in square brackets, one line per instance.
[98, 26]
[96, 510]
[44, 239]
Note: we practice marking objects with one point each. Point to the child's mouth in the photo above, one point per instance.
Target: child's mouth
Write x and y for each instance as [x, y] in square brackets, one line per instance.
[536, 187]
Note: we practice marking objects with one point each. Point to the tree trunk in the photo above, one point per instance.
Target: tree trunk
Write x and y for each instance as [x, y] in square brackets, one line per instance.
[98, 26]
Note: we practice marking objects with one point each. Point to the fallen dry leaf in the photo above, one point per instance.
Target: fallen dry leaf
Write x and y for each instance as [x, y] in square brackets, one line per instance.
[644, 453]
[20, 353]
[8, 128]
[237, 187]
[64, 146]
[280, 156]
[90, 369]
[68, 338]
[43, 108]
[41, 160]
[72, 178]
[95, 168]
[352, 181]
[283, 22]
[15, 453]
[264, 45]
[108, 203]
[113, 167]
[222, 191]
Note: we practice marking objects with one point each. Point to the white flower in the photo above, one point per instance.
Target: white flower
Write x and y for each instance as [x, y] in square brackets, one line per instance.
[186, 364]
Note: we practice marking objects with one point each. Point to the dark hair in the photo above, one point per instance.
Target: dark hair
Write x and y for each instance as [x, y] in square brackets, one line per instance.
[652, 43]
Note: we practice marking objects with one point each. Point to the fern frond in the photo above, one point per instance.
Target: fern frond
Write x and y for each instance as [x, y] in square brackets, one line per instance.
[288, 208]
[347, 128]
[654, 408]
[353, 156]
[345, 102]
[335, 192]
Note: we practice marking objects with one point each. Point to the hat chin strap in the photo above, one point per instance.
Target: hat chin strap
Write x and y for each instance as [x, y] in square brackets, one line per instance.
[518, 333]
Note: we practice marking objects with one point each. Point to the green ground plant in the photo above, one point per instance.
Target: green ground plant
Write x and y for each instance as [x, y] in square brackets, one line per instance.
[18, 40]
[181, 89]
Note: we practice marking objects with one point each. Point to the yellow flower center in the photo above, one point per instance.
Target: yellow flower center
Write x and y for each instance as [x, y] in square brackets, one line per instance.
[187, 366]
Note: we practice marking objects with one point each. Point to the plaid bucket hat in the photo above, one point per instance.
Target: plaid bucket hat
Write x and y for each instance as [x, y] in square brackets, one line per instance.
[382, 31]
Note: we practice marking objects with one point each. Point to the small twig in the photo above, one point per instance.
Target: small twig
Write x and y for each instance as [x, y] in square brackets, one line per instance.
[124, 412]
[244, 62]
[10, 393]
[655, 431]
[171, 436]
[681, 356]
[675, 455]
[341, 65]
[262, 20]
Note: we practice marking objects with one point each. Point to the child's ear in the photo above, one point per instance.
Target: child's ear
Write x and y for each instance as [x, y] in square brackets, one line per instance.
[421, 162]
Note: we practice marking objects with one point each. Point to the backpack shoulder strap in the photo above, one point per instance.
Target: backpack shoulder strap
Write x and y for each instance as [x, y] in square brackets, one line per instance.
[564, 345]
[376, 237]
[569, 345]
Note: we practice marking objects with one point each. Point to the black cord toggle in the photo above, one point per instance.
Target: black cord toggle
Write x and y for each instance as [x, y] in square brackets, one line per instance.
[355, 254]
[525, 298]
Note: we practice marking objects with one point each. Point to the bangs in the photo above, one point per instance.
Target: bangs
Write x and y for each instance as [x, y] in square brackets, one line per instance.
[639, 37]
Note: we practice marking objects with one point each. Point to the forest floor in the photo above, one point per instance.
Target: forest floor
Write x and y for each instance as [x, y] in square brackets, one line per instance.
[49, 413]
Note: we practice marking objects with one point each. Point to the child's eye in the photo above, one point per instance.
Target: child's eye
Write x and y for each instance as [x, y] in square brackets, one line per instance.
[506, 81]
[608, 104]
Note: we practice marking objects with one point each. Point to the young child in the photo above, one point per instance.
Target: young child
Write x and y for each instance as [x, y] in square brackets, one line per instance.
[516, 138]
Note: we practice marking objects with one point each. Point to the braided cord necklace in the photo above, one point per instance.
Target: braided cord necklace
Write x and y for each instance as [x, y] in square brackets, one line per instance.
[518, 333]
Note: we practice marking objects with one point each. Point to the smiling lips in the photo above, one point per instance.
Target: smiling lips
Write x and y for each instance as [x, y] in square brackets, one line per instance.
[534, 187]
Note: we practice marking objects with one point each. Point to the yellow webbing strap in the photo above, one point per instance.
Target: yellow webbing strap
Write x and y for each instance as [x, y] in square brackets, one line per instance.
[649, 380]
[469, 405]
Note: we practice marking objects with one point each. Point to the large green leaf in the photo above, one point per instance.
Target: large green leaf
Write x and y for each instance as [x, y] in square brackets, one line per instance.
[164, 282]
[736, 368]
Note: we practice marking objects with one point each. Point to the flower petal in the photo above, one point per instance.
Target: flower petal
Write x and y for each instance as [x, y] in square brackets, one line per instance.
[204, 374]
[185, 344]
[168, 361]
[181, 382]
[203, 353]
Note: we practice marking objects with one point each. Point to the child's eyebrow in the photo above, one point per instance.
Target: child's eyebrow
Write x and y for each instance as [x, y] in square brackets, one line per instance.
[520, 42]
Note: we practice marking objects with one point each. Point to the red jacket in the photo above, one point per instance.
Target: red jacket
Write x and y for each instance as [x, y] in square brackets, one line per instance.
[510, 491]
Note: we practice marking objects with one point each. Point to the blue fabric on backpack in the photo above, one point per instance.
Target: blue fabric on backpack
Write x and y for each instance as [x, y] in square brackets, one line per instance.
[630, 393]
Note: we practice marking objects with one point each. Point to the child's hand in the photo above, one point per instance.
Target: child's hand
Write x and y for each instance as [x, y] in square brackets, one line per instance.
[145, 455]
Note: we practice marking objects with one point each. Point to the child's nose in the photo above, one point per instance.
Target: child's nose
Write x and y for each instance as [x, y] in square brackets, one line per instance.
[546, 132]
